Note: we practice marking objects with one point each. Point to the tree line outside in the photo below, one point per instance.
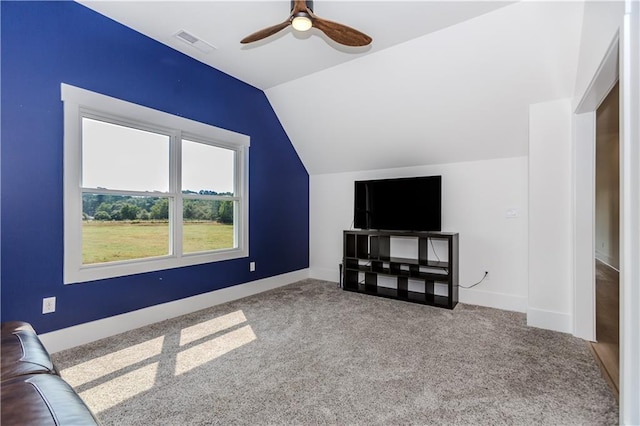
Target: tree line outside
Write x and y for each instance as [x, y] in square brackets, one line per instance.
[105, 207]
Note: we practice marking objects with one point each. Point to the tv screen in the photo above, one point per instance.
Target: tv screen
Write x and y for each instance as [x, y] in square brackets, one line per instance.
[404, 204]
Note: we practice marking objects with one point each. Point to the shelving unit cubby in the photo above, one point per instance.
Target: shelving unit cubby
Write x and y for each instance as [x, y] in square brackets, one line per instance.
[367, 259]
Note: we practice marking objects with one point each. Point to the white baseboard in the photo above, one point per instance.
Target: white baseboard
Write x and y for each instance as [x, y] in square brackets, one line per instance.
[70, 337]
[549, 320]
[325, 274]
[506, 302]
[502, 301]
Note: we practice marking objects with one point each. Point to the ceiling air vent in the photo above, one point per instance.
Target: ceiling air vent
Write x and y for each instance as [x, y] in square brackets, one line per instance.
[194, 41]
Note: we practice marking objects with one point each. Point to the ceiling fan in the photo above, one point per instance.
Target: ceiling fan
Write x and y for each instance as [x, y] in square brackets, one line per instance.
[302, 18]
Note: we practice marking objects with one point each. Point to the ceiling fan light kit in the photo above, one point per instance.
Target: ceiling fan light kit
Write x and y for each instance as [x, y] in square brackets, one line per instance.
[302, 18]
[301, 22]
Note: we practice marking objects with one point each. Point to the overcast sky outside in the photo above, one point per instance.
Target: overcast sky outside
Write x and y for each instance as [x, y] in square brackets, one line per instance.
[118, 157]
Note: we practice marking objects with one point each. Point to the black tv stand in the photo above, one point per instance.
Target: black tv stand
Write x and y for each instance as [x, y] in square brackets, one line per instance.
[422, 278]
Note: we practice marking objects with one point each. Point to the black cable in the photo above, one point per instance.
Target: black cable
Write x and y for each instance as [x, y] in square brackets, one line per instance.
[436, 254]
[434, 249]
[473, 285]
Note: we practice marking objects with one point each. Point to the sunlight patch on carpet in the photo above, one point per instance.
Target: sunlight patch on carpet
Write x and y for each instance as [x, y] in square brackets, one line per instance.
[208, 328]
[200, 354]
[98, 367]
[123, 387]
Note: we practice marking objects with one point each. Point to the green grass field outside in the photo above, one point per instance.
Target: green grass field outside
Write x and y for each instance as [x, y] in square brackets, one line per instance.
[113, 241]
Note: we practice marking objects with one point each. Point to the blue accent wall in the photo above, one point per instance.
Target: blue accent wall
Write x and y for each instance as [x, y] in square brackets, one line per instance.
[47, 43]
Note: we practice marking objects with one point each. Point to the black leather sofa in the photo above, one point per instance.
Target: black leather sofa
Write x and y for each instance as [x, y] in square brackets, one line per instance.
[32, 391]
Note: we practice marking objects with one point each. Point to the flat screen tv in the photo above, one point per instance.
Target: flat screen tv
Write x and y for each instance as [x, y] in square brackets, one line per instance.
[403, 204]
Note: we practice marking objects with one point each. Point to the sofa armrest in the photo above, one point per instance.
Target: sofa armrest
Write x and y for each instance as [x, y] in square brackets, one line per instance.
[42, 399]
[22, 352]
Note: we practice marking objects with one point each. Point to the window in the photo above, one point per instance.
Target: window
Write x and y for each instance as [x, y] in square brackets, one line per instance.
[146, 190]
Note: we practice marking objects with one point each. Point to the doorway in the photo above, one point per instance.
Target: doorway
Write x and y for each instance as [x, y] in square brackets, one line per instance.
[607, 238]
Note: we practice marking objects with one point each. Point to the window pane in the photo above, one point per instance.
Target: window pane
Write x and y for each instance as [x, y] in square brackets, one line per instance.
[208, 225]
[207, 169]
[116, 227]
[119, 157]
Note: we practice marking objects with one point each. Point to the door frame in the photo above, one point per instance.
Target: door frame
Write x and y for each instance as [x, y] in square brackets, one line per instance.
[584, 168]
[622, 59]
[630, 215]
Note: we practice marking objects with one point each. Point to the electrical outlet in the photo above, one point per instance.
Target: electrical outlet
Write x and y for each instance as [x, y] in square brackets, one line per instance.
[252, 266]
[48, 305]
[511, 213]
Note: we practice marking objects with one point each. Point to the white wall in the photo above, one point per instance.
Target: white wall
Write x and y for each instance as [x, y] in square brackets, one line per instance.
[475, 198]
[550, 295]
[600, 23]
[583, 214]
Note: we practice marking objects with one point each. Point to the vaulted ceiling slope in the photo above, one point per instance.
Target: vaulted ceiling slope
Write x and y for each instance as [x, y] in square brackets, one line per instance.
[287, 55]
[459, 94]
[444, 81]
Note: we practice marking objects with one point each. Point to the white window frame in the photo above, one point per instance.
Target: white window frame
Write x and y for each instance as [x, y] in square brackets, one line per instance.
[79, 103]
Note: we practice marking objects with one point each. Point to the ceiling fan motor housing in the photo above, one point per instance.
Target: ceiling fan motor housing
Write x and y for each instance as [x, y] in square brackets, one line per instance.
[309, 4]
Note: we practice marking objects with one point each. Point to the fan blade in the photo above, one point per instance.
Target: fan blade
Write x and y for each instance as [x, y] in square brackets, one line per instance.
[341, 33]
[264, 33]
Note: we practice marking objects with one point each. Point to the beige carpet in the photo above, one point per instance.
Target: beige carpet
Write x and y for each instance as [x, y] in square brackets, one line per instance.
[310, 353]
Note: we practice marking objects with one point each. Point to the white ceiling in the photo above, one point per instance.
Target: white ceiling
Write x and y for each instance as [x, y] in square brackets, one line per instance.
[459, 94]
[444, 81]
[287, 55]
